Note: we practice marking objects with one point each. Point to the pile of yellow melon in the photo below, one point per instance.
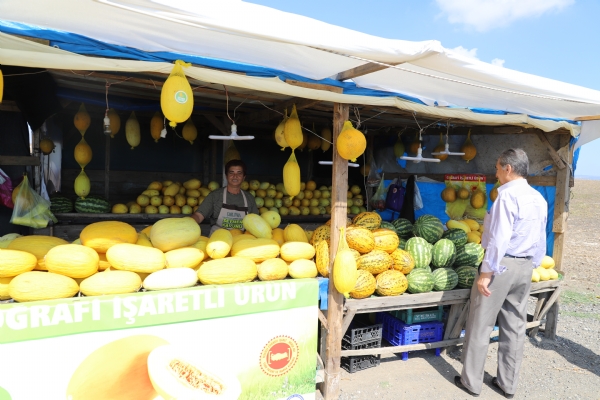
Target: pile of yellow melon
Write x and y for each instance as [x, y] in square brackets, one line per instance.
[168, 197]
[545, 272]
[471, 227]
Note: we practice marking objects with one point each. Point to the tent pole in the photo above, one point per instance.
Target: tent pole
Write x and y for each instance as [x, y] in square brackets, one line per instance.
[335, 311]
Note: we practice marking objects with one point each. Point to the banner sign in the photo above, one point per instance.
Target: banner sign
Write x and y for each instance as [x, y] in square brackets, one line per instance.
[246, 341]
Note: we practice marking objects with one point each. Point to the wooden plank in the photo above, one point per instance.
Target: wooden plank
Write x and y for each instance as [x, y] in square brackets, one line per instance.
[347, 320]
[547, 307]
[315, 86]
[419, 346]
[409, 300]
[561, 211]
[538, 286]
[217, 124]
[552, 321]
[551, 150]
[331, 386]
[460, 322]
[453, 315]
[588, 118]
[19, 160]
[361, 70]
[539, 304]
[9, 106]
[323, 319]
[266, 114]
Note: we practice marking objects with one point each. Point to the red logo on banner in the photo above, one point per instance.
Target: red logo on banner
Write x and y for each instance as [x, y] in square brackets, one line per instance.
[279, 356]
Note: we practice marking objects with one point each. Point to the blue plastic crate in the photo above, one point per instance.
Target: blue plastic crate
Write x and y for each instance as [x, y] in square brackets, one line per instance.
[399, 333]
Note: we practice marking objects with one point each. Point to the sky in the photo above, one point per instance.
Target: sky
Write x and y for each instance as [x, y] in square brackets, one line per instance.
[557, 39]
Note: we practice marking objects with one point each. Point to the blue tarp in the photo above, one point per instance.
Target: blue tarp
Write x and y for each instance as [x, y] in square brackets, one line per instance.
[434, 205]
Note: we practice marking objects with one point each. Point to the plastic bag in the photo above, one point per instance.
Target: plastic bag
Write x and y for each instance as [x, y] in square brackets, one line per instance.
[6, 190]
[395, 196]
[374, 179]
[30, 208]
[417, 198]
[378, 199]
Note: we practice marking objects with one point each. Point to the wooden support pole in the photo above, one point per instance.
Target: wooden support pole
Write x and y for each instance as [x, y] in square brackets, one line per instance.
[551, 150]
[331, 385]
[107, 167]
[561, 211]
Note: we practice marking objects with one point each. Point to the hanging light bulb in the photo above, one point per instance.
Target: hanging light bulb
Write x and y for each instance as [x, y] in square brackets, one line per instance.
[107, 131]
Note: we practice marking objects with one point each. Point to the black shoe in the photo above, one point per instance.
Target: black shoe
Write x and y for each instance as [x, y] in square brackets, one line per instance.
[458, 383]
[495, 383]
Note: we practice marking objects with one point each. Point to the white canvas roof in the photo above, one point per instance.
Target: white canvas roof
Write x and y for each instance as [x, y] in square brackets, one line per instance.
[448, 85]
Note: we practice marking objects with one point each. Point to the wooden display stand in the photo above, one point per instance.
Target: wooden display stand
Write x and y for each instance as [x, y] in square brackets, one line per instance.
[546, 294]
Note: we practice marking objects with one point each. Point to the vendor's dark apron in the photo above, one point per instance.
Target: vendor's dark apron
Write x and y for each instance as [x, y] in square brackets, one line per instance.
[231, 216]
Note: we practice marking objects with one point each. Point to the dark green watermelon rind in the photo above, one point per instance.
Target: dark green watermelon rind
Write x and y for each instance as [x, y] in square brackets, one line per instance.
[420, 281]
[444, 279]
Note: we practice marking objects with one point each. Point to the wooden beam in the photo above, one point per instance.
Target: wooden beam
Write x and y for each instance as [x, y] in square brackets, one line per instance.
[335, 313]
[217, 124]
[555, 157]
[266, 114]
[315, 86]
[10, 106]
[361, 70]
[588, 118]
[19, 160]
[561, 211]
[542, 180]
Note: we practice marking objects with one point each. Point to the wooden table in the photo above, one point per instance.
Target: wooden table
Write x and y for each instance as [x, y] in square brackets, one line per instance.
[546, 292]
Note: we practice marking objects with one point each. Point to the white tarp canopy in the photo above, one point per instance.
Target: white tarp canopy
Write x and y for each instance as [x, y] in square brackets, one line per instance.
[234, 31]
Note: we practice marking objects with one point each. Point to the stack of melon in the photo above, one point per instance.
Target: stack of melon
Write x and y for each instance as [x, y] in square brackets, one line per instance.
[309, 201]
[426, 256]
[545, 272]
[168, 197]
[471, 227]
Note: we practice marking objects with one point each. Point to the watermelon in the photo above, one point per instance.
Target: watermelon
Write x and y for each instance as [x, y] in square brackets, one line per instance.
[60, 204]
[429, 228]
[403, 227]
[457, 236]
[420, 251]
[402, 244]
[480, 254]
[466, 276]
[468, 255]
[387, 225]
[444, 279]
[420, 281]
[92, 204]
[442, 253]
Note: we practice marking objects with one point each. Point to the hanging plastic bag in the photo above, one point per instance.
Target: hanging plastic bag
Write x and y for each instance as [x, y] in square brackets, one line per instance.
[6, 190]
[374, 179]
[30, 208]
[418, 200]
[378, 199]
[395, 196]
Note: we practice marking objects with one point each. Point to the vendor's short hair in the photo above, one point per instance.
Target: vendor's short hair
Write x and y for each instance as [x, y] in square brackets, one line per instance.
[517, 159]
[235, 163]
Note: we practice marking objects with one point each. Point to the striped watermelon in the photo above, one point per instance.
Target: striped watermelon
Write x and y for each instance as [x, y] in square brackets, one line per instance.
[466, 276]
[92, 204]
[402, 244]
[442, 253]
[420, 281]
[468, 255]
[387, 225]
[420, 251]
[429, 228]
[403, 227]
[60, 204]
[480, 254]
[458, 236]
[444, 279]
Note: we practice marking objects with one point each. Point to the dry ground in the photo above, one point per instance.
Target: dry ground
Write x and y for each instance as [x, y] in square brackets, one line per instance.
[568, 368]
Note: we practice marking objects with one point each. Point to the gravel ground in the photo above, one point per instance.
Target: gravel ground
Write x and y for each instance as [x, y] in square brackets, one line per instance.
[568, 368]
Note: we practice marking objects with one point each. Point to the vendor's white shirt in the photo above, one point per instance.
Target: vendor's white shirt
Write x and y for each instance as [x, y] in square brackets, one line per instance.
[515, 225]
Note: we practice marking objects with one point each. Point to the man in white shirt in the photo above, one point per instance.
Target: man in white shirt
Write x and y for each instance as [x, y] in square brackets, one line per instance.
[515, 242]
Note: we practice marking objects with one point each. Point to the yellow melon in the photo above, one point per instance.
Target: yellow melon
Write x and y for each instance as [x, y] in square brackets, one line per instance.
[72, 260]
[100, 236]
[111, 282]
[38, 285]
[173, 233]
[186, 257]
[15, 262]
[135, 258]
